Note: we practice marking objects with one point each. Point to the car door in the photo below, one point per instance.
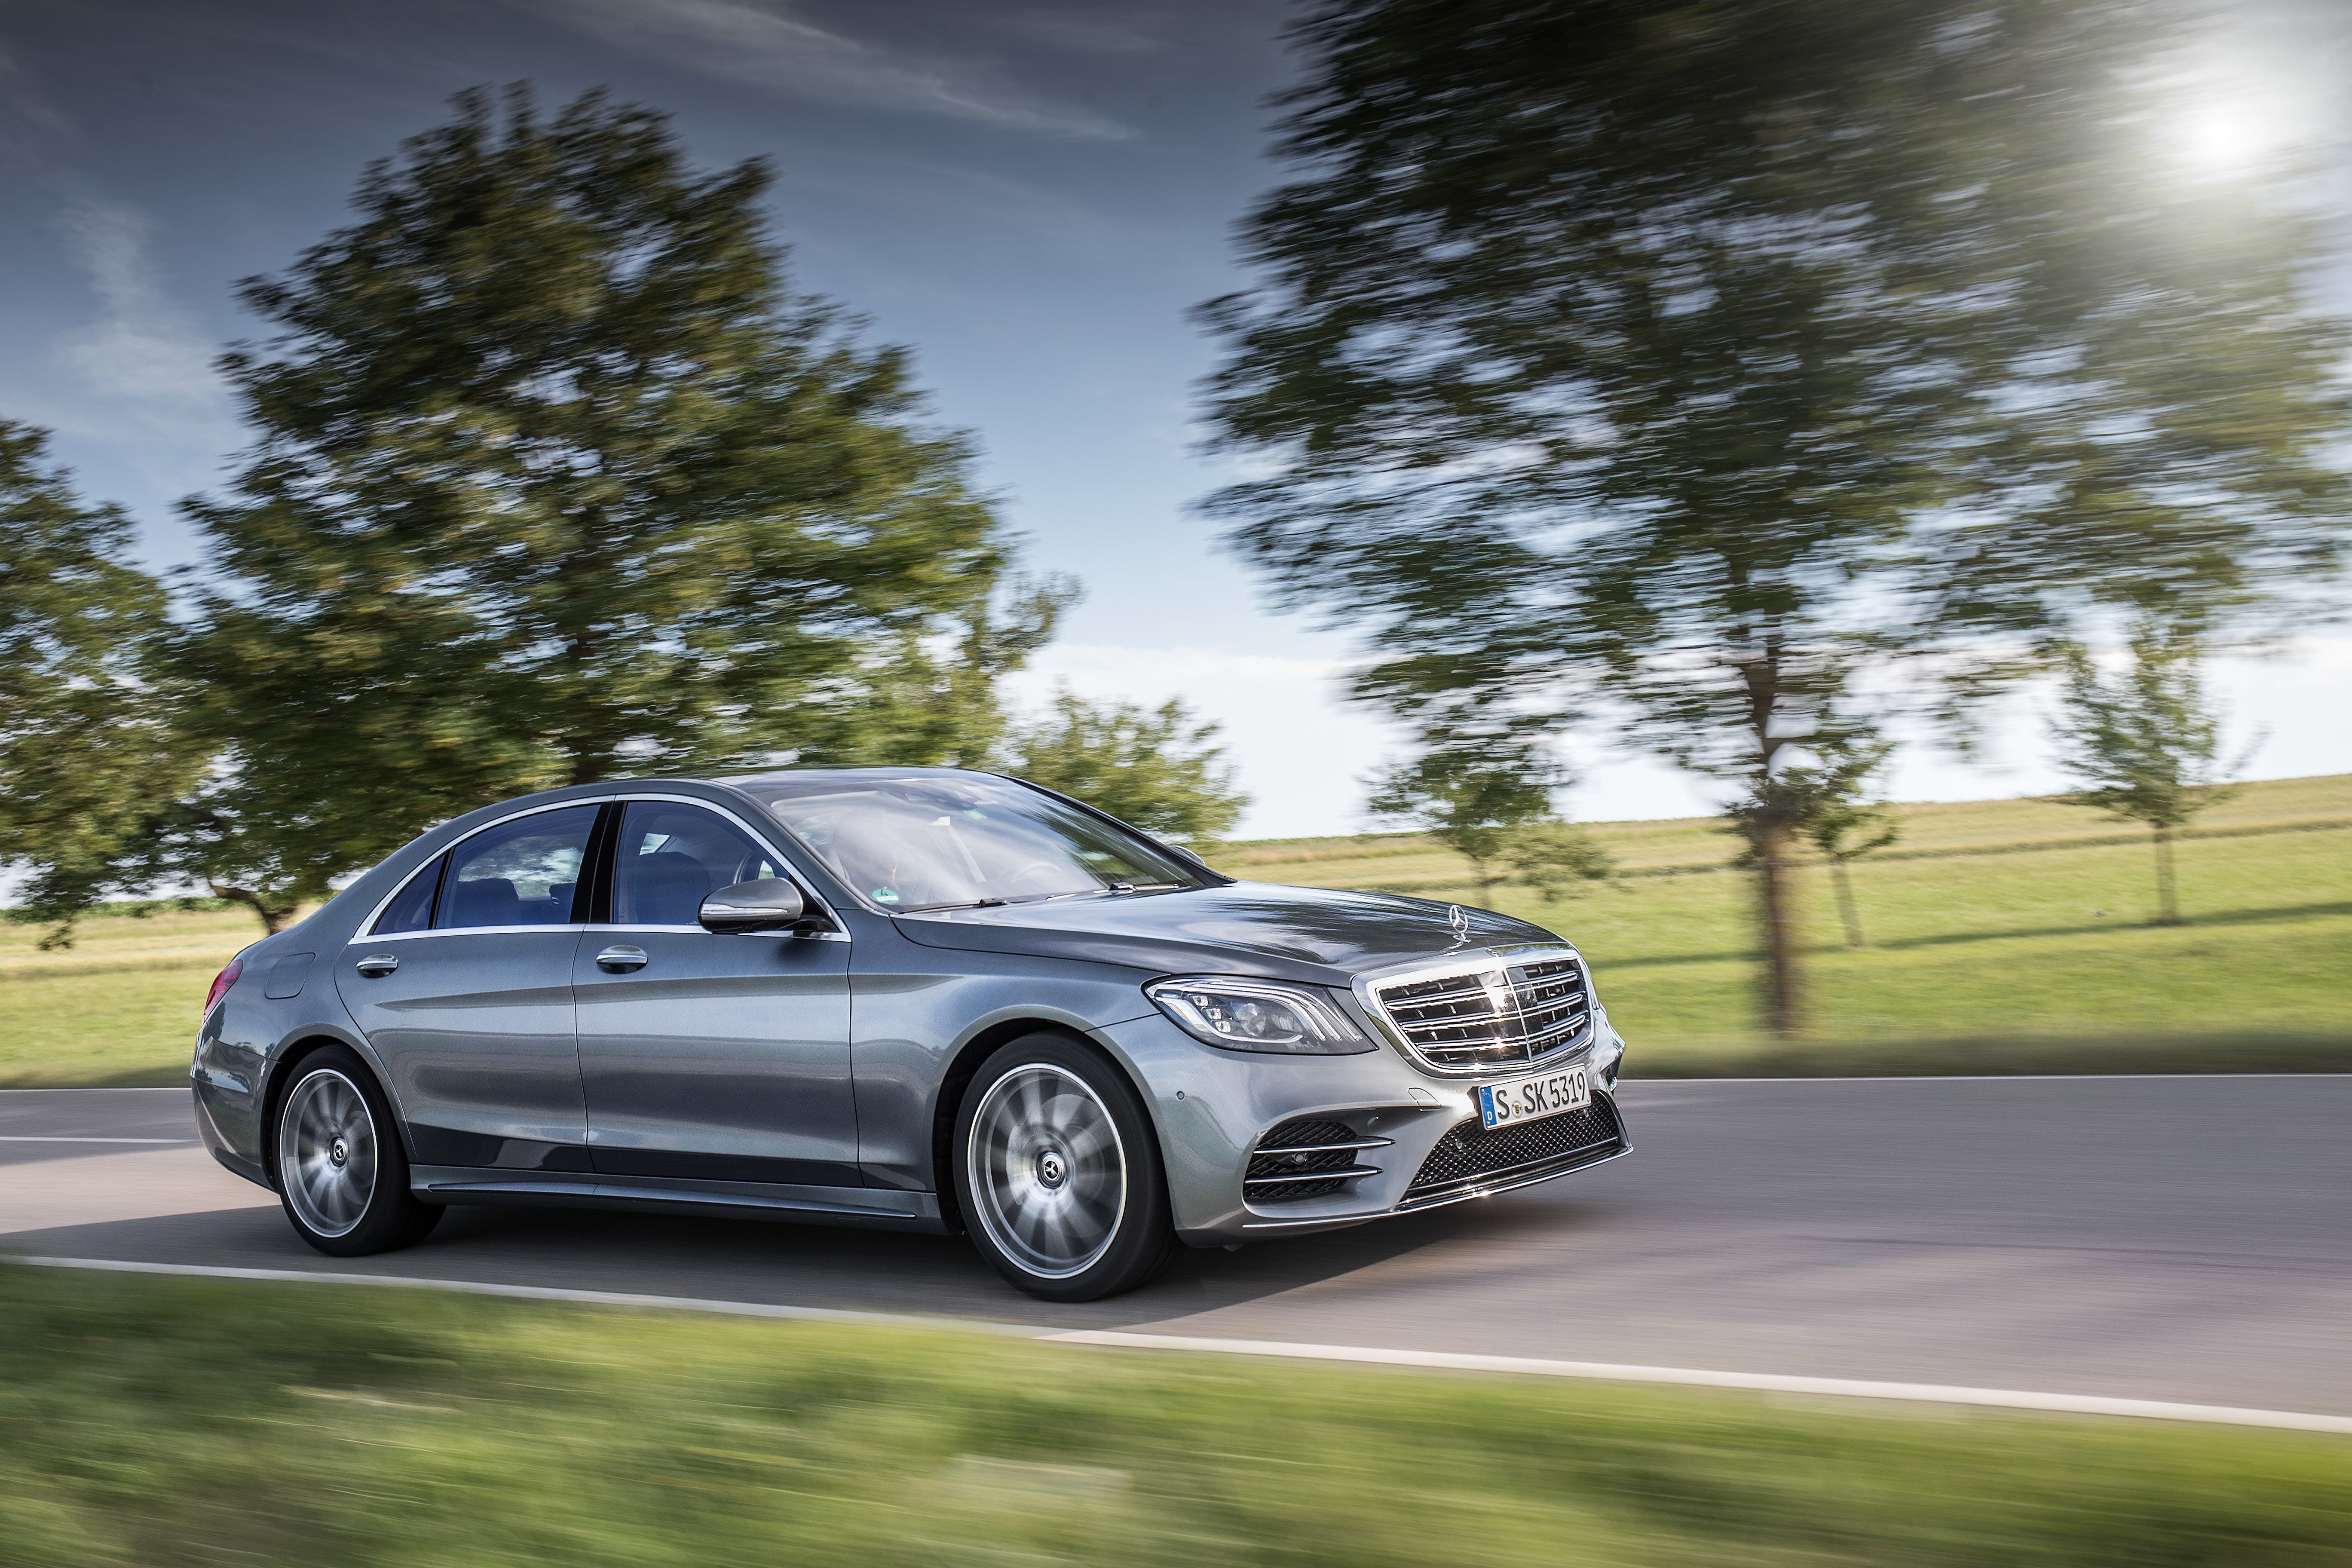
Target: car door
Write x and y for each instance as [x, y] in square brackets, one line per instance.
[709, 1057]
[463, 987]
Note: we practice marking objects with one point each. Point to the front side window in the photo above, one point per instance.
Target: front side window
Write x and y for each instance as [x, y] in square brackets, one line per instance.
[934, 843]
[672, 857]
[519, 873]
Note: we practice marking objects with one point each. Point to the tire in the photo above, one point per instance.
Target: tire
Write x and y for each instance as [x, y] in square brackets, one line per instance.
[336, 1156]
[1058, 1174]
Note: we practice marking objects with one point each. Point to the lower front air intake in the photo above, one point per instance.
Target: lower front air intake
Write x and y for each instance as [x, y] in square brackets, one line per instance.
[1469, 1158]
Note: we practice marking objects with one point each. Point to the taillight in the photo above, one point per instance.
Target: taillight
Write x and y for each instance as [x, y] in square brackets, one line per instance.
[221, 982]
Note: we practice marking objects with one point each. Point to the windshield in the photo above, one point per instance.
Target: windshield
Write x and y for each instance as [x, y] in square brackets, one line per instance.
[951, 843]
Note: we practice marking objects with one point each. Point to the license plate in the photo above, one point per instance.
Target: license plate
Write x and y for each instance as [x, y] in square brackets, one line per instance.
[1527, 1099]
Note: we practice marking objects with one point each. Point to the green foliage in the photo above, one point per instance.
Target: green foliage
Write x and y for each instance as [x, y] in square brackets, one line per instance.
[171, 1422]
[1157, 769]
[558, 481]
[2147, 745]
[1492, 805]
[1701, 359]
[88, 748]
[933, 701]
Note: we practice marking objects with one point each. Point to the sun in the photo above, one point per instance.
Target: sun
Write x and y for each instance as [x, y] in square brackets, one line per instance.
[2225, 136]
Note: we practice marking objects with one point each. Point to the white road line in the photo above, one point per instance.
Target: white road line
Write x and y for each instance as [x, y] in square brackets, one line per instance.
[1442, 1360]
[27, 1139]
[106, 1088]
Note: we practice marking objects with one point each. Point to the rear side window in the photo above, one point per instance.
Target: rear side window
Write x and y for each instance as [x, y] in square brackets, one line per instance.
[671, 857]
[519, 873]
[411, 907]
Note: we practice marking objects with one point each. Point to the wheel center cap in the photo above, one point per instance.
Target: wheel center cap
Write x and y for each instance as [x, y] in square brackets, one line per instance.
[338, 1153]
[1052, 1168]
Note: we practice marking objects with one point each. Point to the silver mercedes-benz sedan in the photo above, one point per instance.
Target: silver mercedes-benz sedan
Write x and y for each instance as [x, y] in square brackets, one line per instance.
[911, 998]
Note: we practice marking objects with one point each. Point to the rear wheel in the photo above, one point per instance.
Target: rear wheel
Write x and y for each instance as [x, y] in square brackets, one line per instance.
[342, 1174]
[1057, 1172]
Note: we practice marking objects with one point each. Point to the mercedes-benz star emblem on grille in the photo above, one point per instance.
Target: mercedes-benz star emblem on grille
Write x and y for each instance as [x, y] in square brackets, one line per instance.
[1459, 919]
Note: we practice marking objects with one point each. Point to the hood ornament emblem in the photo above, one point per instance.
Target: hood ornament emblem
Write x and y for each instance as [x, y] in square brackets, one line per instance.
[1459, 919]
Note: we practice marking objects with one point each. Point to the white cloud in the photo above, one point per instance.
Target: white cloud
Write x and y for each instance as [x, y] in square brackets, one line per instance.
[767, 46]
[142, 347]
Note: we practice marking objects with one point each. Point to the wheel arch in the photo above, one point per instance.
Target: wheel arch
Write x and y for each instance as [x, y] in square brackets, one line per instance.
[292, 1055]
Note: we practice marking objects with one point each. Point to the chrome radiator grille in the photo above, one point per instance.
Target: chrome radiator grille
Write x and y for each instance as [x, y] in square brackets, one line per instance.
[1501, 1016]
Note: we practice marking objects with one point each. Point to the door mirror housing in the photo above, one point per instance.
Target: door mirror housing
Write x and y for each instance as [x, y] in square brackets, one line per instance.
[772, 903]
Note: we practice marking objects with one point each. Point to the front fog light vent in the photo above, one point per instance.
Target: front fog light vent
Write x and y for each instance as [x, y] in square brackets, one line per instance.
[1307, 1158]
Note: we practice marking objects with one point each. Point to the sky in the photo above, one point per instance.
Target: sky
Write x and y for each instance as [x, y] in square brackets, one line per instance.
[1032, 196]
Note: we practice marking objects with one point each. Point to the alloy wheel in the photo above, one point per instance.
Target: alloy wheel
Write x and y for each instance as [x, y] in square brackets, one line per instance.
[1047, 1170]
[327, 1153]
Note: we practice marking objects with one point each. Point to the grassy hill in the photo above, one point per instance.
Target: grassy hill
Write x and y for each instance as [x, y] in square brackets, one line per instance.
[2006, 935]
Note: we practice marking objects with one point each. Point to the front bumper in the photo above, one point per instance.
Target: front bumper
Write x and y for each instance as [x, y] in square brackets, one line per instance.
[1215, 1109]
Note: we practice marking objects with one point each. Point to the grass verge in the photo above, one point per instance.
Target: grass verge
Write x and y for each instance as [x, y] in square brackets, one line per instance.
[180, 1421]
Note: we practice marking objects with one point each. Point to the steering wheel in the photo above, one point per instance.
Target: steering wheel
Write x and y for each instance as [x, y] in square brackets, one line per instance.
[1045, 872]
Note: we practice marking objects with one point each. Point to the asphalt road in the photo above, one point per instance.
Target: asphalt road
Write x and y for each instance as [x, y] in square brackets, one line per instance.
[2181, 1238]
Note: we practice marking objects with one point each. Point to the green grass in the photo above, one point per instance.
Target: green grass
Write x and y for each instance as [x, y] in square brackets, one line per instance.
[2005, 935]
[165, 1422]
[118, 1006]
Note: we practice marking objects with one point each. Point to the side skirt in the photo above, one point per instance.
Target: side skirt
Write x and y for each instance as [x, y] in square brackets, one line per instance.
[873, 1207]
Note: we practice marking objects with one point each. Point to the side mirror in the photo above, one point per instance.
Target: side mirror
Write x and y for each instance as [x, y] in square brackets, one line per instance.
[771, 903]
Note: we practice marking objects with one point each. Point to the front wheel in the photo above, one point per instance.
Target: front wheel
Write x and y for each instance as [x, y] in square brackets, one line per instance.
[342, 1174]
[1057, 1172]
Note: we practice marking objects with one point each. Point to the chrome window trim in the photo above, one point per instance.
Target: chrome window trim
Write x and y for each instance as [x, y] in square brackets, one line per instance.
[365, 930]
[365, 934]
[1367, 988]
[462, 931]
[800, 878]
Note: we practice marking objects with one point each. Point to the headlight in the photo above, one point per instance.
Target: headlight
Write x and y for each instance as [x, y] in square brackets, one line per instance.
[1259, 1015]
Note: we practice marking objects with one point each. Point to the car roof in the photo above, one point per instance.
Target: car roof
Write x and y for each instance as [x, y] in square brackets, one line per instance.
[820, 775]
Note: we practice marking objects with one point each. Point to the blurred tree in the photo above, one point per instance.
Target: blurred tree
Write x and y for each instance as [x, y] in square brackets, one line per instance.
[557, 481]
[1698, 358]
[1492, 805]
[1830, 802]
[933, 701]
[2147, 743]
[1154, 768]
[87, 749]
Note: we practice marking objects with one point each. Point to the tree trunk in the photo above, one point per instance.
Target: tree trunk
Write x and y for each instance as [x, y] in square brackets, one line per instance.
[2168, 901]
[1784, 1001]
[273, 917]
[1847, 911]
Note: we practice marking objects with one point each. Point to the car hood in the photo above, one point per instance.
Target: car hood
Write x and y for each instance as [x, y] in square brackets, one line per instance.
[1258, 928]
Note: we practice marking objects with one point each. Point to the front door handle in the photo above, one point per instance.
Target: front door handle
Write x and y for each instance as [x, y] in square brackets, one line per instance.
[376, 965]
[621, 960]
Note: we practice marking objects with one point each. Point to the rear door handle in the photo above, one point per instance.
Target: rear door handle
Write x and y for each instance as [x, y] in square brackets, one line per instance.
[621, 960]
[376, 965]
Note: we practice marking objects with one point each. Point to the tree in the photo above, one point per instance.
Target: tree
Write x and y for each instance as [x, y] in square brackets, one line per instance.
[1830, 802]
[88, 748]
[1158, 769]
[1687, 364]
[1492, 805]
[2146, 745]
[557, 481]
